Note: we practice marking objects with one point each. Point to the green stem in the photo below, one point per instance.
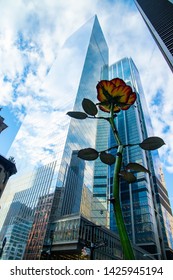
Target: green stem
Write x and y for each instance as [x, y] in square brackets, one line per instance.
[124, 239]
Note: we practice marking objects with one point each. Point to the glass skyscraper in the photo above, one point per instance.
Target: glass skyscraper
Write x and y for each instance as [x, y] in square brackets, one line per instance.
[158, 16]
[145, 203]
[86, 53]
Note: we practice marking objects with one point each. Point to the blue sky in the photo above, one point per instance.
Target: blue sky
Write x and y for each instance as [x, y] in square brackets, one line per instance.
[7, 136]
[31, 33]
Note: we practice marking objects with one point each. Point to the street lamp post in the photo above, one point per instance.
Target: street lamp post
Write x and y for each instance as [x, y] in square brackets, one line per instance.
[47, 253]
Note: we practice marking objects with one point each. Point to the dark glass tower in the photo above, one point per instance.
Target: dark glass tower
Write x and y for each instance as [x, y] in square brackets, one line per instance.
[145, 203]
[158, 16]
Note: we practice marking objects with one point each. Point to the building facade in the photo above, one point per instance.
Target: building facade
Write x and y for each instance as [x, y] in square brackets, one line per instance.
[145, 203]
[7, 169]
[158, 16]
[20, 217]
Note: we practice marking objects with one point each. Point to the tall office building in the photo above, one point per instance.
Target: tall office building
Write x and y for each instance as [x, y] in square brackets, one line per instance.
[75, 73]
[145, 203]
[158, 16]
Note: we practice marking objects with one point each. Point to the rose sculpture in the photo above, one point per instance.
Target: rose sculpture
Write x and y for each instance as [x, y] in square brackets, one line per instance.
[113, 96]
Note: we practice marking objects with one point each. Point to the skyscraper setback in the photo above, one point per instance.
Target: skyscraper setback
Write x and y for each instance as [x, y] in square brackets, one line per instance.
[158, 16]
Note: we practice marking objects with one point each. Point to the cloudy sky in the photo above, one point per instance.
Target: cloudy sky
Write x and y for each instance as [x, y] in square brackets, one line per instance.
[31, 34]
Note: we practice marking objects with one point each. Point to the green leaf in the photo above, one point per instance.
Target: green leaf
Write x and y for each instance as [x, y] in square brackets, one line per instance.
[137, 167]
[89, 107]
[107, 158]
[77, 115]
[152, 143]
[88, 154]
[128, 176]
